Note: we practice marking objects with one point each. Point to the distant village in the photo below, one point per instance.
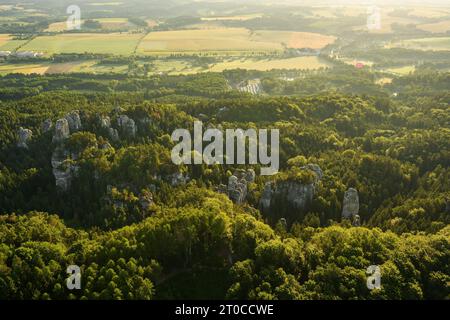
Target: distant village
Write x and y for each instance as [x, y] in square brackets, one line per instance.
[21, 54]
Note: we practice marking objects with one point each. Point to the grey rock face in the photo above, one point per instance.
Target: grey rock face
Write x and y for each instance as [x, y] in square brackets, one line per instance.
[62, 130]
[146, 200]
[178, 179]
[63, 170]
[266, 198]
[316, 169]
[47, 125]
[74, 120]
[127, 125]
[237, 189]
[356, 221]
[250, 176]
[24, 136]
[351, 204]
[113, 134]
[105, 122]
[297, 195]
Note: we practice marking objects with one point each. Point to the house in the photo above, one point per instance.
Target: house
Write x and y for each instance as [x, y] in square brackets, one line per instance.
[28, 54]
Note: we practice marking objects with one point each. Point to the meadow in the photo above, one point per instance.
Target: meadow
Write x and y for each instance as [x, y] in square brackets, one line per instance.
[436, 27]
[8, 44]
[117, 43]
[299, 63]
[435, 43]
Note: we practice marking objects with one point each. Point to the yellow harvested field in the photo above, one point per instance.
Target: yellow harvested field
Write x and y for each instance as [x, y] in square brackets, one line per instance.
[151, 23]
[229, 40]
[437, 27]
[295, 40]
[23, 68]
[221, 39]
[57, 27]
[106, 23]
[4, 38]
[429, 12]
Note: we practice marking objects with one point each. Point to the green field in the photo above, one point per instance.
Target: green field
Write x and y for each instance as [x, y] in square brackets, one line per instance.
[299, 63]
[402, 71]
[7, 44]
[117, 43]
[437, 43]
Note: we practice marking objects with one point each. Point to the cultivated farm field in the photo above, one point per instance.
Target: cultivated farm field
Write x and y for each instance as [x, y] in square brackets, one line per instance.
[8, 44]
[117, 43]
[436, 27]
[436, 43]
[110, 24]
[229, 40]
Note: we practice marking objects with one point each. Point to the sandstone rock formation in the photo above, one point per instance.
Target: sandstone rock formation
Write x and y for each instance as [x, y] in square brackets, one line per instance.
[237, 189]
[296, 195]
[104, 121]
[146, 200]
[113, 134]
[47, 125]
[62, 131]
[63, 169]
[350, 204]
[356, 221]
[127, 125]
[24, 136]
[177, 179]
[74, 120]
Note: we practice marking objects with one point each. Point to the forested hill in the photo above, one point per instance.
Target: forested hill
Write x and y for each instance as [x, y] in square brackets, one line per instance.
[86, 179]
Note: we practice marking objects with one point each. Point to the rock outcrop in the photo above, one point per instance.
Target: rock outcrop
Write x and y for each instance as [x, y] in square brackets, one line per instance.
[292, 193]
[104, 121]
[113, 134]
[295, 194]
[25, 135]
[237, 188]
[350, 204]
[63, 169]
[62, 130]
[47, 125]
[74, 120]
[356, 221]
[178, 179]
[127, 125]
[146, 200]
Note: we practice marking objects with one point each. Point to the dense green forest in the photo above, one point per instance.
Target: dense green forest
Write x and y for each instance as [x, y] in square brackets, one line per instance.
[86, 179]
